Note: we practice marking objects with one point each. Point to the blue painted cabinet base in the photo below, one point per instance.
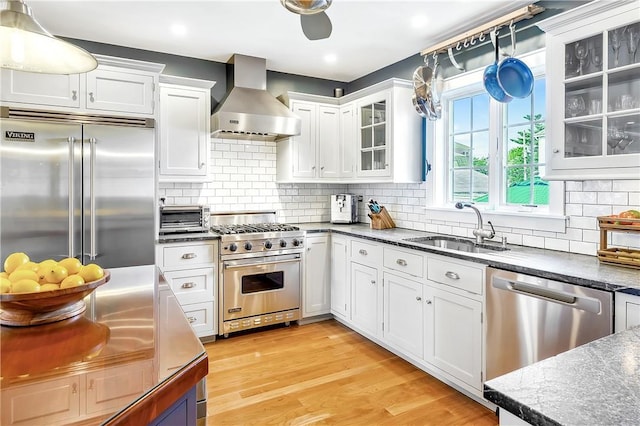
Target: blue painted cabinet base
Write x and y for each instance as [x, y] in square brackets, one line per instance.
[181, 413]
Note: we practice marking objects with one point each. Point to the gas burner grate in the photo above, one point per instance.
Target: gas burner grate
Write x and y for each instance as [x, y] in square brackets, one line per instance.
[253, 228]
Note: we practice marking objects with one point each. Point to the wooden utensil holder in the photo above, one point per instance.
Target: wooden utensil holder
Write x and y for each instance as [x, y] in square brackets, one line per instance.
[619, 256]
[382, 220]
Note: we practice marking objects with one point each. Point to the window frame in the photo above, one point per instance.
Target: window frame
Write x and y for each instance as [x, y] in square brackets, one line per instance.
[548, 218]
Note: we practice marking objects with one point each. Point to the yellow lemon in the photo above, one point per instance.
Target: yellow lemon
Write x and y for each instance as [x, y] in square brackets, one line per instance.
[47, 262]
[14, 260]
[24, 274]
[72, 265]
[31, 266]
[5, 285]
[55, 274]
[72, 281]
[25, 286]
[91, 272]
[49, 287]
[4, 275]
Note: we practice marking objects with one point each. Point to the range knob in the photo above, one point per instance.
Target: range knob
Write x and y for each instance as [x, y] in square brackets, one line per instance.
[283, 243]
[233, 247]
[296, 242]
[248, 246]
[267, 244]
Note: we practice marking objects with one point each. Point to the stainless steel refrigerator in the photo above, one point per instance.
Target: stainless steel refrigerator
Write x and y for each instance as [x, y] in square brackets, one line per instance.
[77, 185]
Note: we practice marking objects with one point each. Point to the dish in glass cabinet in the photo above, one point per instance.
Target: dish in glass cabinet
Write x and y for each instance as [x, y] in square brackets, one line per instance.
[24, 309]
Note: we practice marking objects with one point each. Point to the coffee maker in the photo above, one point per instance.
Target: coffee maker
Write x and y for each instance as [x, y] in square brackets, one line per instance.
[344, 208]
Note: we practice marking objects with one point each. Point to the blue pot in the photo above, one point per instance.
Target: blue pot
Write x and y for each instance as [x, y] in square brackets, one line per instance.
[491, 85]
[515, 78]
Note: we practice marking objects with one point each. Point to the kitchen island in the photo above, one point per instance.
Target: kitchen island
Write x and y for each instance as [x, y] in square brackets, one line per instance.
[594, 384]
[131, 358]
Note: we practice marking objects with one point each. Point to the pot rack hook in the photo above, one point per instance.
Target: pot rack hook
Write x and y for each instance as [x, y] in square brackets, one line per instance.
[473, 41]
[453, 60]
[458, 46]
[512, 31]
[481, 37]
[466, 43]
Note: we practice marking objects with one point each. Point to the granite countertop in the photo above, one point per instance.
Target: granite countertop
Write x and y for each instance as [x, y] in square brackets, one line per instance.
[594, 384]
[130, 329]
[577, 269]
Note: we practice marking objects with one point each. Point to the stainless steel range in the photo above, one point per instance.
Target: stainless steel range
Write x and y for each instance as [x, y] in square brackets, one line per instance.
[260, 270]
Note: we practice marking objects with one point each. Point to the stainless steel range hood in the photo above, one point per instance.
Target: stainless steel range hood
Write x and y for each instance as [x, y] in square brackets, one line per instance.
[249, 111]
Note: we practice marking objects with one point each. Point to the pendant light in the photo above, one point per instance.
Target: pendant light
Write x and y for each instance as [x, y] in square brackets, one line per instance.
[26, 46]
[306, 7]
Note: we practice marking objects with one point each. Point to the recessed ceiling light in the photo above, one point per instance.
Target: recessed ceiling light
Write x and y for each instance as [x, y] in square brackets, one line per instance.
[330, 58]
[419, 21]
[178, 29]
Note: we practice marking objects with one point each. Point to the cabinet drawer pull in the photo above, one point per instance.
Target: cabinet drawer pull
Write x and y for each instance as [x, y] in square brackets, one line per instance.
[74, 389]
[188, 285]
[91, 98]
[452, 275]
[189, 256]
[192, 319]
[74, 95]
[363, 252]
[401, 262]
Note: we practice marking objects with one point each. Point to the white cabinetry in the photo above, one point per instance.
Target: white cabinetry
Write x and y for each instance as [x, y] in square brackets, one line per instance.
[185, 107]
[340, 277]
[627, 311]
[593, 92]
[403, 314]
[190, 269]
[347, 141]
[314, 154]
[366, 298]
[316, 296]
[123, 86]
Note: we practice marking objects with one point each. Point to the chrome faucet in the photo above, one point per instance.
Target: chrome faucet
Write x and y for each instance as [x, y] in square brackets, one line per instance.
[479, 232]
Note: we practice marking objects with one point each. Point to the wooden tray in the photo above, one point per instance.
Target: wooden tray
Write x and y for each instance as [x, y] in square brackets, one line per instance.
[23, 309]
[382, 220]
[618, 255]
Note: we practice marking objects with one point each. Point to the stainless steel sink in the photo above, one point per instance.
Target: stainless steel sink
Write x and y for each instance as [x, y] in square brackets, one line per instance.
[459, 244]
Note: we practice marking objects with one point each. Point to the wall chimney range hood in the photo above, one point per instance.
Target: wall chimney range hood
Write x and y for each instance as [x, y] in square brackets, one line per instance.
[249, 111]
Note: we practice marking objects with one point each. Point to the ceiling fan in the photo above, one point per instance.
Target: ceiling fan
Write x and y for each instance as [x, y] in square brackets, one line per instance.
[315, 23]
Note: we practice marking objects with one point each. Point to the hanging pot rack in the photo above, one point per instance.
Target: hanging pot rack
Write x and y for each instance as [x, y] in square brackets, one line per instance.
[478, 33]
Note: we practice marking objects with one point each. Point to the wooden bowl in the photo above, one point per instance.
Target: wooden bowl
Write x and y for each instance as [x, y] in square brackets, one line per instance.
[23, 309]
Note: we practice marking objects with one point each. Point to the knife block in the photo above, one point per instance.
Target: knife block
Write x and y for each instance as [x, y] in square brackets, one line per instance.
[382, 220]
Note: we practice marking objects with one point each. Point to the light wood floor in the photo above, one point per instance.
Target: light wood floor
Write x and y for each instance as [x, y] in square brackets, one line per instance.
[325, 373]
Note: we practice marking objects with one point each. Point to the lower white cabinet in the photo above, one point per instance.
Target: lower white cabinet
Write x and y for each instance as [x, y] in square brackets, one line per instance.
[453, 334]
[190, 270]
[403, 314]
[340, 277]
[316, 290]
[627, 311]
[366, 298]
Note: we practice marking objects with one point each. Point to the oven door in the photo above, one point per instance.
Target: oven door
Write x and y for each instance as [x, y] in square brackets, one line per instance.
[260, 285]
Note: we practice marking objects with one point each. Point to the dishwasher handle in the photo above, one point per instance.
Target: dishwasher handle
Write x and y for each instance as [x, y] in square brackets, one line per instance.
[584, 303]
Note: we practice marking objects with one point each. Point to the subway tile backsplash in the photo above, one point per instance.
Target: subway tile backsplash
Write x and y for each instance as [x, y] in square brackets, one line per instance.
[244, 178]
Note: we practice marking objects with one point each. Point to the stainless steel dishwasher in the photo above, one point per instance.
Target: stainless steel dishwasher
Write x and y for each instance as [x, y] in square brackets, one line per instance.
[529, 319]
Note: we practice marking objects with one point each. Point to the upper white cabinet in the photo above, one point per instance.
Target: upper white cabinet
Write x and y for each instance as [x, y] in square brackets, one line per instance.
[185, 107]
[593, 92]
[123, 86]
[372, 135]
[314, 154]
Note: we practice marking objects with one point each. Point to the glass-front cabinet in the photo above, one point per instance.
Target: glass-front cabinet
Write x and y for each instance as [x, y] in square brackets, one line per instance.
[593, 92]
[374, 135]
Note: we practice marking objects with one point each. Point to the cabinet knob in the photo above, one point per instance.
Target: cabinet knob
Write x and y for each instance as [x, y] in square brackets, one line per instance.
[91, 384]
[428, 302]
[313, 167]
[189, 256]
[91, 97]
[401, 262]
[201, 165]
[373, 282]
[188, 285]
[192, 319]
[452, 275]
[418, 298]
[74, 95]
[556, 151]
[321, 167]
[74, 389]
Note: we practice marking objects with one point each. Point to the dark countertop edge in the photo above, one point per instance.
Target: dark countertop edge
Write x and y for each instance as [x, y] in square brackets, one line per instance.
[156, 401]
[167, 239]
[517, 409]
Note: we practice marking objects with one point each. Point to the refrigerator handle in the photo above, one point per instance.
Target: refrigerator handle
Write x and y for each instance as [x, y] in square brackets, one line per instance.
[71, 140]
[92, 199]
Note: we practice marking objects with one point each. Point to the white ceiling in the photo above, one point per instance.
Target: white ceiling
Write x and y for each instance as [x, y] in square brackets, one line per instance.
[367, 35]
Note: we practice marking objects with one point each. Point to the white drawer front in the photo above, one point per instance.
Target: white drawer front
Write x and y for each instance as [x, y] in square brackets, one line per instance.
[192, 285]
[464, 277]
[398, 260]
[187, 255]
[367, 253]
[201, 318]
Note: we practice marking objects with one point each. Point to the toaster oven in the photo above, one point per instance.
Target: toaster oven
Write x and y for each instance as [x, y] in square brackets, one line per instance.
[184, 219]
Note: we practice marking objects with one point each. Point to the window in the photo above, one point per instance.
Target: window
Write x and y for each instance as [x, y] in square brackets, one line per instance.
[519, 144]
[493, 154]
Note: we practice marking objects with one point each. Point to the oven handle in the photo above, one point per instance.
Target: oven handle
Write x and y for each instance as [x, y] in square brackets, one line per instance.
[231, 264]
